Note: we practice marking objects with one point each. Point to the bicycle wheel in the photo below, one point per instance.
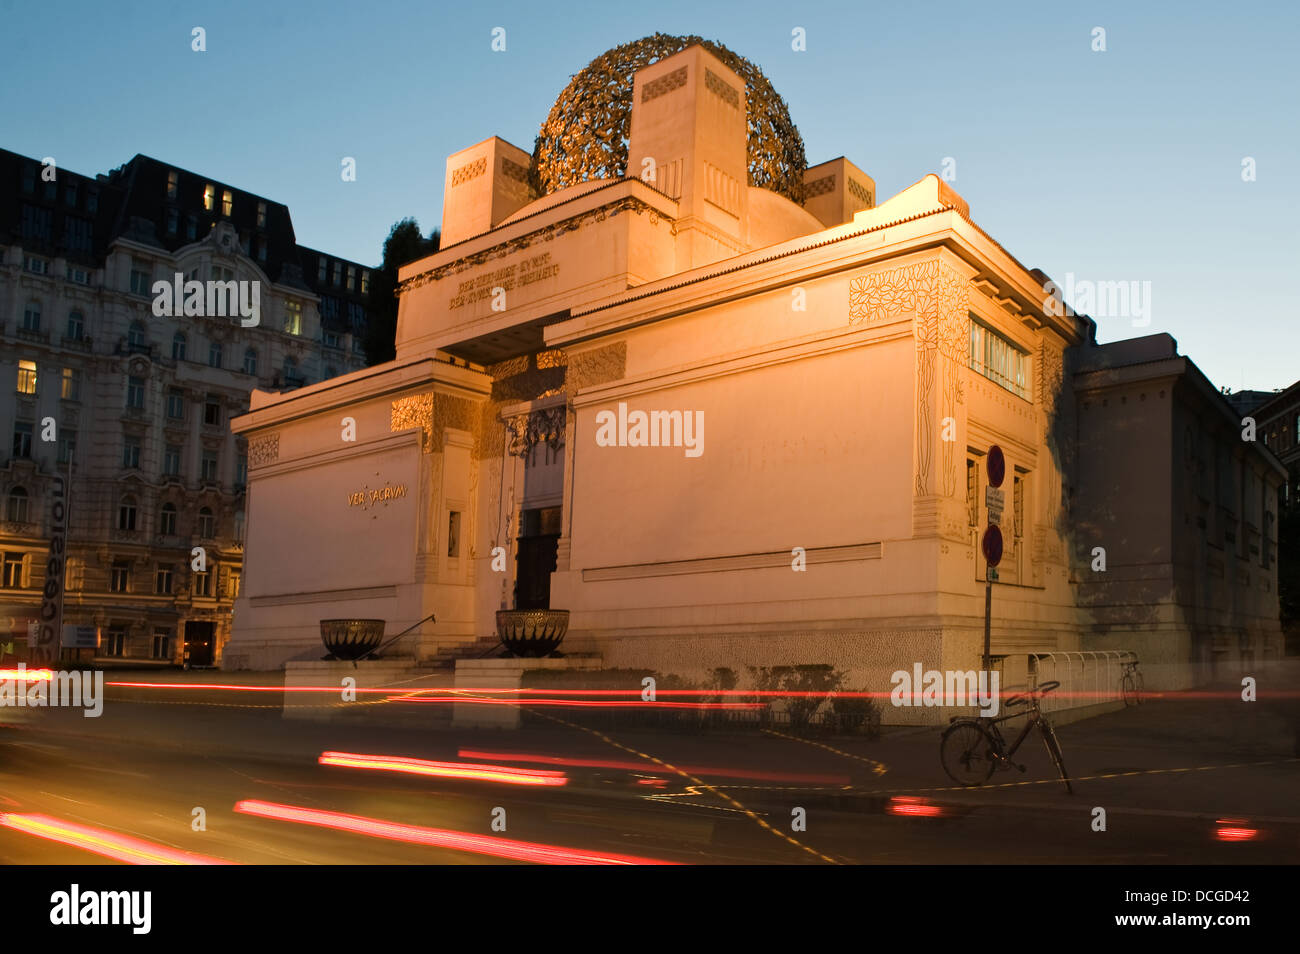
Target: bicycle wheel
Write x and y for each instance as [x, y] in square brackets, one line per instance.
[968, 753]
[1129, 690]
[1054, 750]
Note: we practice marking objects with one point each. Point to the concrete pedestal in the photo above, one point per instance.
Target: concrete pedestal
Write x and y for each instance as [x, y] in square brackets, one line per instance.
[500, 710]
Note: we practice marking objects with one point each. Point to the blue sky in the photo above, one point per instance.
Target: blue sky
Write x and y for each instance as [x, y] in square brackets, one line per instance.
[1122, 165]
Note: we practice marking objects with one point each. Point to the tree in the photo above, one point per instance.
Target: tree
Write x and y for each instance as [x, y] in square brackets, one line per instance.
[404, 244]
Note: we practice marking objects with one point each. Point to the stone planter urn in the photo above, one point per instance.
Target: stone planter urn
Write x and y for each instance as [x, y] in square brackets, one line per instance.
[532, 633]
[351, 638]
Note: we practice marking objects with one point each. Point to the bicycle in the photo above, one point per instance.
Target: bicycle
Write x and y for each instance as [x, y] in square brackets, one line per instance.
[1131, 684]
[972, 748]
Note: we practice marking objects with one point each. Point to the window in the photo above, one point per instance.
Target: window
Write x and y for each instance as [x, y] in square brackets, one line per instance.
[365, 281]
[261, 215]
[214, 354]
[26, 377]
[212, 410]
[67, 445]
[453, 534]
[173, 183]
[220, 274]
[70, 195]
[241, 470]
[202, 582]
[135, 393]
[78, 275]
[260, 244]
[293, 317]
[162, 642]
[76, 234]
[352, 278]
[76, 325]
[173, 221]
[167, 520]
[997, 359]
[320, 271]
[175, 404]
[29, 178]
[115, 641]
[135, 337]
[250, 361]
[16, 511]
[126, 514]
[178, 346]
[140, 273]
[290, 369]
[118, 579]
[338, 274]
[209, 197]
[172, 460]
[191, 227]
[92, 200]
[1297, 428]
[227, 203]
[208, 465]
[239, 528]
[1018, 506]
[972, 492]
[131, 452]
[13, 571]
[331, 340]
[36, 225]
[22, 445]
[162, 579]
[32, 316]
[70, 384]
[234, 578]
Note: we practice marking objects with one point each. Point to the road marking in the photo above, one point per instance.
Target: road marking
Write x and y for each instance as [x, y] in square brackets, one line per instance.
[877, 767]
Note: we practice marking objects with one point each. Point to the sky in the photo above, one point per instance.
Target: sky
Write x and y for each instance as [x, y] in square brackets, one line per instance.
[1122, 165]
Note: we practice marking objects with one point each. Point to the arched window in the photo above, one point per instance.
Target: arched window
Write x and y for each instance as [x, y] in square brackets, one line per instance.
[167, 520]
[178, 346]
[126, 514]
[250, 361]
[17, 509]
[32, 316]
[207, 524]
[214, 354]
[135, 339]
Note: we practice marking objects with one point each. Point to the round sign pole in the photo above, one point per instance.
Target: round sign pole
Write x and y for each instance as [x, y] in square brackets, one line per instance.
[995, 467]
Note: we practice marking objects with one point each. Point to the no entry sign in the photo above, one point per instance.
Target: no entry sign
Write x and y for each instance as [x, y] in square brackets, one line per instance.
[996, 466]
[991, 544]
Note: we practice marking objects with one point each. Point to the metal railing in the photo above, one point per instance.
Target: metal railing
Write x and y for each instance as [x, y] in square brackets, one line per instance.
[1087, 677]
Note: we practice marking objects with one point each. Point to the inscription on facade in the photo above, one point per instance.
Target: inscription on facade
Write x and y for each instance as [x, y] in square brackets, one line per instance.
[532, 269]
[367, 498]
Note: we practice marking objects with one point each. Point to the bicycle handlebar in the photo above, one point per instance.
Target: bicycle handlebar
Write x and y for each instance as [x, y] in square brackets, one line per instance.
[1023, 698]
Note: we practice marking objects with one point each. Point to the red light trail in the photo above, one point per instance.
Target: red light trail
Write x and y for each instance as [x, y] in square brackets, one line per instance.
[437, 837]
[110, 844]
[465, 770]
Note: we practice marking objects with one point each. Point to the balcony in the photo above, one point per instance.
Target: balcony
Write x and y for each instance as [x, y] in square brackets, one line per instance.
[34, 335]
[78, 344]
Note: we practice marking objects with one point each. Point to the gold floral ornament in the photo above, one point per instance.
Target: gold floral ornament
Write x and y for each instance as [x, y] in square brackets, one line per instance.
[585, 136]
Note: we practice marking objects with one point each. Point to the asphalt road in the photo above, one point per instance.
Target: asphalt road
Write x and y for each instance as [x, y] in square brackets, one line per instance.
[1173, 777]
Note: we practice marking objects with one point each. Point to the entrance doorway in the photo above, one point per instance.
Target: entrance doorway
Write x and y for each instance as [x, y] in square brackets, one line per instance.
[200, 643]
[539, 539]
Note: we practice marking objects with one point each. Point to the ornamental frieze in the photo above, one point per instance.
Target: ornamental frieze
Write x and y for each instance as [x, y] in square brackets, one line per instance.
[263, 450]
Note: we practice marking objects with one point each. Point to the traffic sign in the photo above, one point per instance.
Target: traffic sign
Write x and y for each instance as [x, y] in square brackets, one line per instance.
[996, 466]
[991, 544]
[995, 501]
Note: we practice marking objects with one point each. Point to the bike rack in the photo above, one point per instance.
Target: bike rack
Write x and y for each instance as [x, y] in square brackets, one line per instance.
[1100, 670]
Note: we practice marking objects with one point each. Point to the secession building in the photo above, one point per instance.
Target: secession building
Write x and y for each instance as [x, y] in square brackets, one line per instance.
[141, 405]
[731, 410]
